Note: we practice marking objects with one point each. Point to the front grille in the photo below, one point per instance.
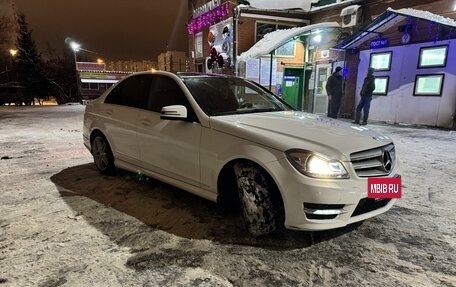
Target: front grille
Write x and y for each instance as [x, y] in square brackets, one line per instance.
[374, 162]
[366, 205]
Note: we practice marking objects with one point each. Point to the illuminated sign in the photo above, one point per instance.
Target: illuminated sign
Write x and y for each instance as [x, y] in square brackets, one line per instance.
[206, 7]
[211, 17]
[93, 66]
[101, 77]
[379, 43]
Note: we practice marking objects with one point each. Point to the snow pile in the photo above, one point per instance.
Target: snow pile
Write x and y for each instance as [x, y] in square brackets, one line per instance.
[274, 40]
[425, 15]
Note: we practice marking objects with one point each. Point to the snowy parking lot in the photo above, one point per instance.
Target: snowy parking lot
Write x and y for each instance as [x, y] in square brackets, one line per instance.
[64, 224]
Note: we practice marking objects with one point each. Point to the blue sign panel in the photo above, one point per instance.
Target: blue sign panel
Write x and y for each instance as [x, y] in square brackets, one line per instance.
[379, 43]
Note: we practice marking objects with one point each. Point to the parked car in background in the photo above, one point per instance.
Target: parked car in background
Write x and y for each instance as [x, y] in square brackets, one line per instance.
[232, 141]
[13, 93]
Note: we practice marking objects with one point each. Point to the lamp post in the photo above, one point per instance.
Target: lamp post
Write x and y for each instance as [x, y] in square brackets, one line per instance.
[13, 53]
[76, 47]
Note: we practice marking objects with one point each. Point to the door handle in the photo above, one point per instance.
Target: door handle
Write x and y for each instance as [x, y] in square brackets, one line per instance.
[108, 112]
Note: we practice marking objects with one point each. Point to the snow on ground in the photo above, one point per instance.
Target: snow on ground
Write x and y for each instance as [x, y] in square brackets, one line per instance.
[63, 224]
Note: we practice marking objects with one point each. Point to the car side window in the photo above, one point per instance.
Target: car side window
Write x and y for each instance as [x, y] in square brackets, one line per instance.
[131, 92]
[164, 91]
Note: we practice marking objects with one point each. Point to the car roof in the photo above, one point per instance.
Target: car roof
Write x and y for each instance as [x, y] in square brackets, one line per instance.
[196, 74]
[183, 75]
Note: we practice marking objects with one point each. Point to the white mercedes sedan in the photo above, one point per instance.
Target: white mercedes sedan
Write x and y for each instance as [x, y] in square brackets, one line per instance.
[231, 141]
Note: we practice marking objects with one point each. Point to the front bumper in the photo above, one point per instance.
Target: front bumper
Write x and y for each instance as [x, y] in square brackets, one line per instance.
[320, 204]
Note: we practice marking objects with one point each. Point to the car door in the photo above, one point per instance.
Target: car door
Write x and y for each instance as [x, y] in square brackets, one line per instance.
[169, 147]
[120, 111]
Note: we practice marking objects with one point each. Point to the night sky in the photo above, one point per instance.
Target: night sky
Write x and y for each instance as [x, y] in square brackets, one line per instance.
[114, 29]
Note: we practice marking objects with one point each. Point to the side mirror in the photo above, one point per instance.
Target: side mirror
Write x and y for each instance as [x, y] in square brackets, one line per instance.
[176, 112]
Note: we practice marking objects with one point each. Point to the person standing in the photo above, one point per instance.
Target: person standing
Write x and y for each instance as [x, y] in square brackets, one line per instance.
[366, 97]
[335, 91]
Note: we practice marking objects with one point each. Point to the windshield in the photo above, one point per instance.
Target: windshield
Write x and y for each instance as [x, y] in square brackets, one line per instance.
[227, 96]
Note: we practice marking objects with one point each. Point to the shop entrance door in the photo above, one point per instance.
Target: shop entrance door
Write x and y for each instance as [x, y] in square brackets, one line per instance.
[292, 87]
[291, 90]
[323, 71]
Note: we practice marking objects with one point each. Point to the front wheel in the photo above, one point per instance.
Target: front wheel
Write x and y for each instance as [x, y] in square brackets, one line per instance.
[255, 187]
[102, 155]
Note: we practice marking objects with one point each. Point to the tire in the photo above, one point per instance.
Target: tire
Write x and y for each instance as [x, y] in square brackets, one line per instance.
[256, 199]
[102, 155]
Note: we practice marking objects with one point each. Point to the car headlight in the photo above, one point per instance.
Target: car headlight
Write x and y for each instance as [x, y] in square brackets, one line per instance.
[315, 165]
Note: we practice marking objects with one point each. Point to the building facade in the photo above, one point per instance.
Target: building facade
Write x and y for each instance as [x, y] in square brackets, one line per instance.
[173, 61]
[94, 79]
[409, 90]
[221, 31]
[304, 72]
[131, 65]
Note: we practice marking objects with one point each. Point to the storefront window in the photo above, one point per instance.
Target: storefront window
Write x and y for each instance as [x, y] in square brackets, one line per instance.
[432, 57]
[199, 45]
[93, 86]
[381, 61]
[263, 28]
[381, 85]
[429, 85]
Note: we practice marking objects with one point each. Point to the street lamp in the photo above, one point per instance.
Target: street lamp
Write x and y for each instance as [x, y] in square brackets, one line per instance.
[76, 47]
[13, 52]
[317, 38]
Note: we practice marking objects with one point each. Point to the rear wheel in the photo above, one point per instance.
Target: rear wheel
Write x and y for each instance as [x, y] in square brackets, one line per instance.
[102, 155]
[259, 211]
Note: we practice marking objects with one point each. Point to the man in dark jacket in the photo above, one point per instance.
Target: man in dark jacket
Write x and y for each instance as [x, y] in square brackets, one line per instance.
[366, 97]
[335, 91]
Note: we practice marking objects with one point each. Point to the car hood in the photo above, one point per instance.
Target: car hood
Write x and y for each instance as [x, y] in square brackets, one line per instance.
[298, 130]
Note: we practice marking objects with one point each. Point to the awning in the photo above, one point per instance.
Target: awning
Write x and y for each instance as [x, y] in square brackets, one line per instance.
[274, 40]
[384, 22]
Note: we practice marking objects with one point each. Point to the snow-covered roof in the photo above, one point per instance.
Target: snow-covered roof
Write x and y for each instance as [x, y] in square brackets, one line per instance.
[426, 15]
[274, 40]
[337, 3]
[305, 5]
[282, 4]
[384, 22]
